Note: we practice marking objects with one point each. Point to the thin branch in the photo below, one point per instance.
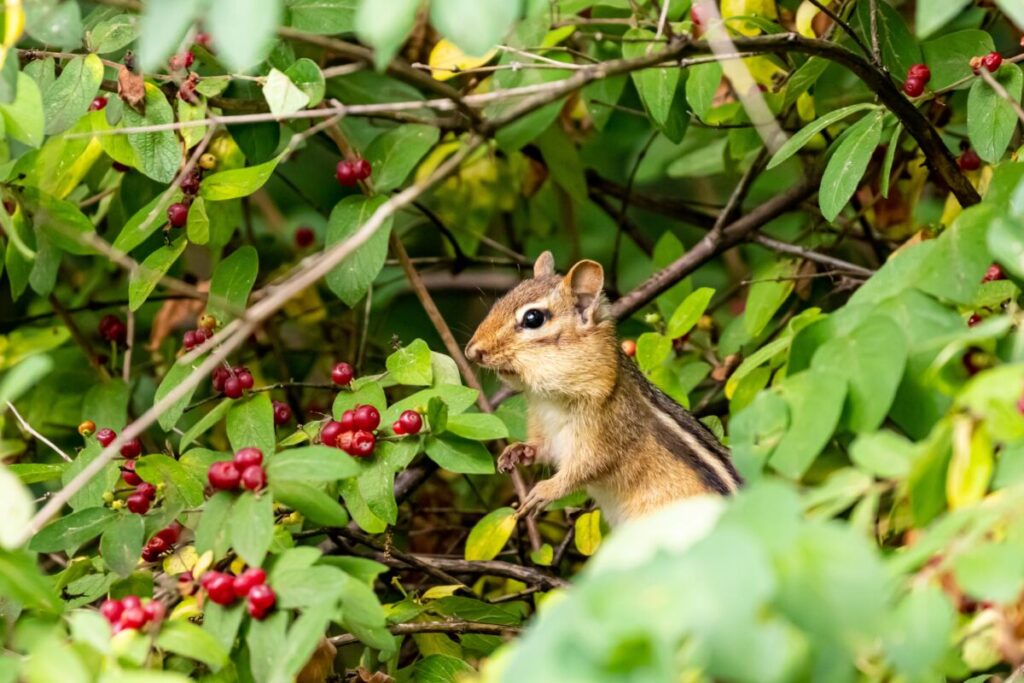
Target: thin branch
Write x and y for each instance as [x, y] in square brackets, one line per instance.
[28, 428]
[527, 575]
[838, 20]
[76, 334]
[876, 51]
[126, 370]
[811, 255]
[453, 626]
[1001, 91]
[390, 551]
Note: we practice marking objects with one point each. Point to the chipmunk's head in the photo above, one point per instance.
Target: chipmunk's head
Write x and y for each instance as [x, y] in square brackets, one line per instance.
[551, 334]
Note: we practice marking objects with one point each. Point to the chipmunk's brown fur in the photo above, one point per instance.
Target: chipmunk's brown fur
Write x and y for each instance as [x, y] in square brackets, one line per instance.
[592, 413]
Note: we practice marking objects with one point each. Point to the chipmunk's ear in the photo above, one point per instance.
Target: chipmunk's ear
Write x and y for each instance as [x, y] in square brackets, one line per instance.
[584, 281]
[544, 265]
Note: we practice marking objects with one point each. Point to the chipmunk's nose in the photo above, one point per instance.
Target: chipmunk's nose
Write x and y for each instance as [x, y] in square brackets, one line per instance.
[473, 351]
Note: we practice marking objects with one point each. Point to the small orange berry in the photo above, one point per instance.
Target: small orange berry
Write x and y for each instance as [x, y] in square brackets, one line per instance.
[629, 347]
[87, 428]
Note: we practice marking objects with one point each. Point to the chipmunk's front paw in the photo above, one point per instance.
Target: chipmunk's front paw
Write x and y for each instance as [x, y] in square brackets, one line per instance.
[538, 498]
[516, 454]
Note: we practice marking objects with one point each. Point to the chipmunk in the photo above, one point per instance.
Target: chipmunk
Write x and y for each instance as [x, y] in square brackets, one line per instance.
[592, 414]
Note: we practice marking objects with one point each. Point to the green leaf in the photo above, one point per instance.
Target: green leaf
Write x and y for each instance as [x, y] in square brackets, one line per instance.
[1012, 10]
[140, 226]
[991, 120]
[1006, 244]
[266, 641]
[371, 393]
[949, 57]
[22, 580]
[411, 364]
[701, 86]
[872, 359]
[68, 98]
[883, 454]
[237, 182]
[311, 464]
[847, 165]
[72, 531]
[35, 473]
[251, 527]
[16, 508]
[198, 226]
[157, 153]
[212, 530]
[385, 27]
[243, 30]
[144, 280]
[657, 87]
[350, 279]
[162, 28]
[283, 96]
[25, 373]
[308, 78]
[474, 25]
[188, 640]
[396, 153]
[477, 426]
[923, 624]
[899, 48]
[250, 423]
[797, 142]
[689, 312]
[175, 376]
[890, 159]
[955, 266]
[121, 543]
[441, 668]
[23, 118]
[106, 404]
[54, 23]
[437, 415]
[815, 400]
[112, 34]
[223, 622]
[652, 349]
[313, 503]
[755, 432]
[991, 571]
[304, 636]
[490, 534]
[182, 485]
[324, 17]
[773, 284]
[231, 283]
[90, 495]
[456, 454]
[934, 14]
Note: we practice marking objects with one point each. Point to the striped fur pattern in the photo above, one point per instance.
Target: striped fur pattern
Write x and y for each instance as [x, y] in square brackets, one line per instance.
[592, 414]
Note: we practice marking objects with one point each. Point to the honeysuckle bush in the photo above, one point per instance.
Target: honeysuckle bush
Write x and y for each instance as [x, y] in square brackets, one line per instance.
[817, 248]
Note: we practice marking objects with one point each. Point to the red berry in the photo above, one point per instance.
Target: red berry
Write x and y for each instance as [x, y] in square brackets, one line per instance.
[342, 374]
[363, 169]
[366, 418]
[220, 375]
[969, 160]
[232, 387]
[188, 59]
[329, 433]
[175, 63]
[190, 184]
[629, 347]
[220, 587]
[224, 476]
[261, 600]
[189, 340]
[120, 168]
[348, 421]
[411, 421]
[128, 473]
[98, 103]
[202, 38]
[973, 361]
[112, 610]
[131, 449]
[992, 61]
[133, 617]
[138, 503]
[154, 610]
[973, 320]
[106, 436]
[363, 444]
[304, 236]
[112, 329]
[249, 579]
[254, 478]
[344, 441]
[696, 14]
[244, 378]
[346, 174]
[177, 214]
[155, 548]
[920, 71]
[247, 457]
[397, 427]
[913, 87]
[131, 602]
[171, 533]
[146, 489]
[282, 413]
[994, 272]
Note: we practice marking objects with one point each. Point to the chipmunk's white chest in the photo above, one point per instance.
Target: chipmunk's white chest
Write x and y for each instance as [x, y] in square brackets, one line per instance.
[557, 425]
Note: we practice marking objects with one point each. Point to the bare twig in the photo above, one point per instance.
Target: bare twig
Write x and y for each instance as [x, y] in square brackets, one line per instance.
[28, 428]
[811, 255]
[453, 626]
[876, 52]
[838, 20]
[126, 370]
[76, 334]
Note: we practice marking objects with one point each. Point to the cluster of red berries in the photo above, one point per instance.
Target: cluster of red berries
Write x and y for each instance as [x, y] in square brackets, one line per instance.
[181, 61]
[353, 433]
[917, 76]
[162, 542]
[113, 329]
[349, 173]
[232, 382]
[282, 413]
[409, 422]
[342, 374]
[177, 213]
[992, 61]
[196, 337]
[245, 470]
[131, 448]
[304, 236]
[98, 103]
[225, 589]
[130, 613]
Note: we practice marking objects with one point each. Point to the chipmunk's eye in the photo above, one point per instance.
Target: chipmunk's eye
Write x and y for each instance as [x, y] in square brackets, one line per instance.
[533, 319]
